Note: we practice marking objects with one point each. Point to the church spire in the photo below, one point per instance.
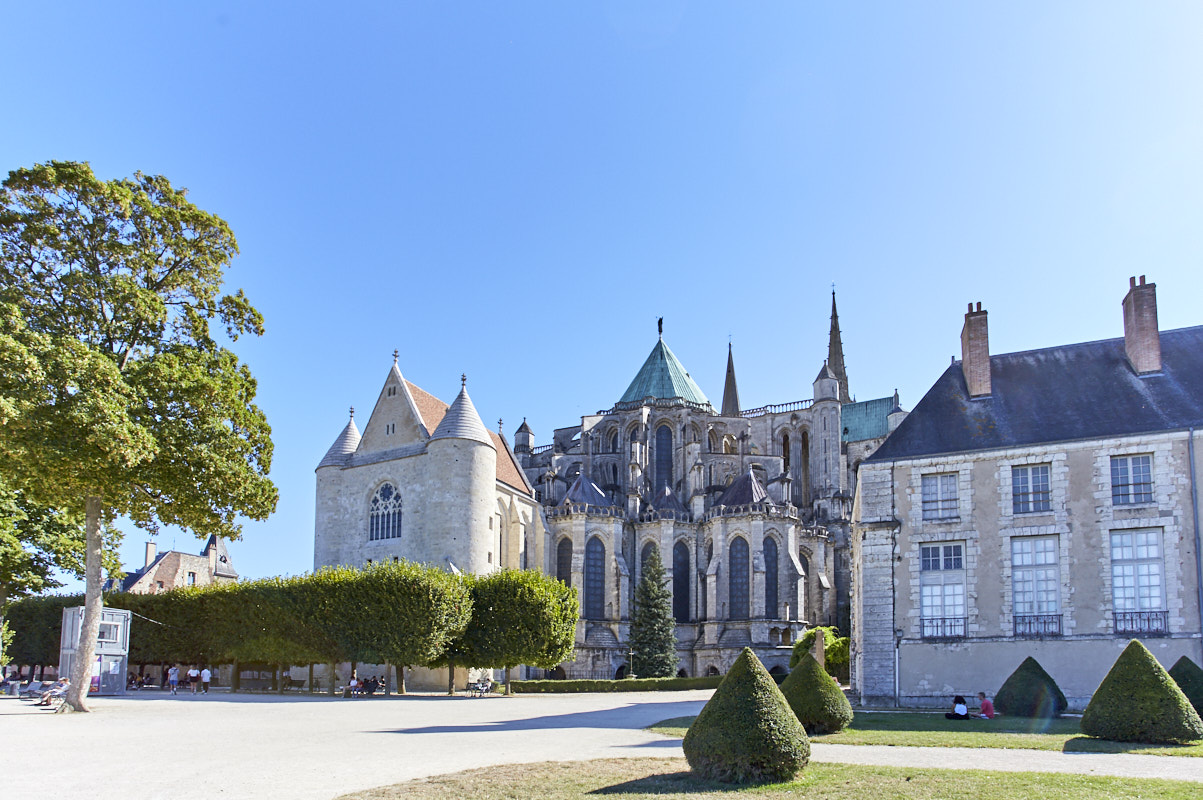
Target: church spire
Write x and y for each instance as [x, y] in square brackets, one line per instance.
[835, 353]
[730, 391]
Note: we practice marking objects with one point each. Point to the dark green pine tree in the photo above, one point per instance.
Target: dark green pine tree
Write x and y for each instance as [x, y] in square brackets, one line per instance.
[653, 629]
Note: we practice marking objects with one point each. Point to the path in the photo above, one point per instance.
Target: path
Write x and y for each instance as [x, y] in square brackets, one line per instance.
[152, 746]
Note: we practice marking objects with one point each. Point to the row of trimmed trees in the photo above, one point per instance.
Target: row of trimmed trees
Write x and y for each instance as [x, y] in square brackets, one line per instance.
[398, 613]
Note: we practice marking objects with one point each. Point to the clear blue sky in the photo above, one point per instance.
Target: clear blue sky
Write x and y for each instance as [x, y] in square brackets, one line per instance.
[517, 190]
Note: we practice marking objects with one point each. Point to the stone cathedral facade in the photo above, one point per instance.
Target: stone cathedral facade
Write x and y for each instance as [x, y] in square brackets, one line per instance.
[749, 508]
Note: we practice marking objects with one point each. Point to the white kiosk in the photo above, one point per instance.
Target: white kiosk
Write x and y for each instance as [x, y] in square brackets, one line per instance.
[112, 648]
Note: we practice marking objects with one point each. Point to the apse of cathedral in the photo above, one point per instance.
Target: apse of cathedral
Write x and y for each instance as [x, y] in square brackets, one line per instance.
[749, 508]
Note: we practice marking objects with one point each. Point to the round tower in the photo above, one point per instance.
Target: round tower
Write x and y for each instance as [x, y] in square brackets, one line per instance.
[462, 491]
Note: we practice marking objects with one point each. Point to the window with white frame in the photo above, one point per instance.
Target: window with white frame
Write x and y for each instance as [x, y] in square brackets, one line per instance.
[1030, 489]
[1137, 586]
[940, 496]
[942, 590]
[1131, 480]
[1036, 586]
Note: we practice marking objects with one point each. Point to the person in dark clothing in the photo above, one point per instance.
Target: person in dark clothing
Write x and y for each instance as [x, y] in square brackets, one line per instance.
[959, 709]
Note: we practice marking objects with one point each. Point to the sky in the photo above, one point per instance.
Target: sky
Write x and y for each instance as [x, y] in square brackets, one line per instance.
[517, 191]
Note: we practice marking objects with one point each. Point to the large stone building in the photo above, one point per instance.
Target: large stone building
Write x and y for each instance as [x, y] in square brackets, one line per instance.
[748, 508]
[173, 569]
[1039, 504]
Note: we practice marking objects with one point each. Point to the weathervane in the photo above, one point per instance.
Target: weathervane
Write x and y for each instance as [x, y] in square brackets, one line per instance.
[352, 412]
[463, 380]
[660, 326]
[395, 353]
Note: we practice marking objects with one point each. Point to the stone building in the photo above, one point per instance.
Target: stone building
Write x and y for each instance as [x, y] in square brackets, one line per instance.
[1042, 504]
[749, 508]
[172, 569]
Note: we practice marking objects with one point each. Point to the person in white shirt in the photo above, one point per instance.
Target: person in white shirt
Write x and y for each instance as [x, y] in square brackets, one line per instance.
[173, 677]
[193, 678]
[206, 676]
[959, 709]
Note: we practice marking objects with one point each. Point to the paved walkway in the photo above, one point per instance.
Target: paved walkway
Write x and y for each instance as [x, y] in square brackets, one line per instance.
[149, 745]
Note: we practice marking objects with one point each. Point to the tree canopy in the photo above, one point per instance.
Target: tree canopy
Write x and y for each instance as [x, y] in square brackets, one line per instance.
[116, 399]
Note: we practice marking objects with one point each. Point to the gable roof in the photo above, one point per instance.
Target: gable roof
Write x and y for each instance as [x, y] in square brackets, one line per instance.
[868, 419]
[430, 407]
[508, 471]
[663, 377]
[1057, 394]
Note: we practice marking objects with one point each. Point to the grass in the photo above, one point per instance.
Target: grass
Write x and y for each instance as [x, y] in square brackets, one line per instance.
[670, 778]
[932, 730]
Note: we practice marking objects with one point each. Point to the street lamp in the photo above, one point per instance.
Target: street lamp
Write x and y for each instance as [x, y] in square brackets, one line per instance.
[630, 661]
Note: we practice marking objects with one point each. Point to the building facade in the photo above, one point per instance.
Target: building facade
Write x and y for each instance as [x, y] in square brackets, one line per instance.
[1038, 504]
[173, 569]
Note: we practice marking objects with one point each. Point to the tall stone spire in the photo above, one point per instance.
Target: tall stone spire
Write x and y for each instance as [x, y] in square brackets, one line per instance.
[835, 353]
[730, 391]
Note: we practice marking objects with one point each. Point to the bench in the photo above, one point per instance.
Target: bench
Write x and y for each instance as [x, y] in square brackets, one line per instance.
[294, 683]
[481, 687]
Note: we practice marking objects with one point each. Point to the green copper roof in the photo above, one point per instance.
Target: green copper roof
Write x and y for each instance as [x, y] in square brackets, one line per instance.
[868, 419]
[663, 378]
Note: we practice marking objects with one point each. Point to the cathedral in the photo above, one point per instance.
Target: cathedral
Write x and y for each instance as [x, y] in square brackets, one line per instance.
[749, 508]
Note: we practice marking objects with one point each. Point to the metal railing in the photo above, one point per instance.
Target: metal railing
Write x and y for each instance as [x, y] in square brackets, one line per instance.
[1035, 626]
[1145, 622]
[943, 627]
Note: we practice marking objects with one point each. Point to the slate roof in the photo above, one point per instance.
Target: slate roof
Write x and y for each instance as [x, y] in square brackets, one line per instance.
[223, 568]
[730, 390]
[665, 500]
[868, 419]
[462, 422]
[744, 491]
[663, 377]
[584, 490]
[1057, 394]
[343, 446]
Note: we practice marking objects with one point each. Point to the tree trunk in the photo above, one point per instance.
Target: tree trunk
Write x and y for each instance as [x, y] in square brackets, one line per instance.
[333, 679]
[3, 603]
[388, 679]
[450, 678]
[280, 683]
[81, 667]
[507, 680]
[235, 678]
[401, 679]
[311, 679]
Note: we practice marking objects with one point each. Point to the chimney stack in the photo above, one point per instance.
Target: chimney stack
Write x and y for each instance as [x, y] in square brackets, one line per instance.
[1142, 341]
[150, 554]
[975, 352]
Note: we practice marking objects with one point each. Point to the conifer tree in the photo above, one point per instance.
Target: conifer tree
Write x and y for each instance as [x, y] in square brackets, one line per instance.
[653, 629]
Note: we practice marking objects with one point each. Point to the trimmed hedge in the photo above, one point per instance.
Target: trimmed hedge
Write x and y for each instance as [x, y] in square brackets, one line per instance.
[835, 650]
[1189, 677]
[746, 732]
[624, 685]
[1030, 692]
[1138, 701]
[816, 699]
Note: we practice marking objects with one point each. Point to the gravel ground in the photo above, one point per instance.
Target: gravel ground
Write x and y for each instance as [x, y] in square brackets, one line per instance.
[151, 745]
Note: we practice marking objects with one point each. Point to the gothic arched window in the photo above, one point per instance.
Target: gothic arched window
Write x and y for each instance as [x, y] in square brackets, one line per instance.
[664, 457]
[564, 561]
[614, 442]
[595, 579]
[770, 578]
[384, 514]
[737, 578]
[705, 568]
[680, 582]
[785, 452]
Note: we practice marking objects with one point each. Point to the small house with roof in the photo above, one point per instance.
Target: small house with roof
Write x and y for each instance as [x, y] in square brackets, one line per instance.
[173, 569]
[1043, 504]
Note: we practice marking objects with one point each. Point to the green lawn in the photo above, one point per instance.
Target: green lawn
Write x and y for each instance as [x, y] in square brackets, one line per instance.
[670, 778]
[918, 729]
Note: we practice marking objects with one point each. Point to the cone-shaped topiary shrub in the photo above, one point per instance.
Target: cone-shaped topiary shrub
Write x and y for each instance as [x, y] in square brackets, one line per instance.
[1189, 677]
[1030, 692]
[816, 699]
[1138, 701]
[747, 733]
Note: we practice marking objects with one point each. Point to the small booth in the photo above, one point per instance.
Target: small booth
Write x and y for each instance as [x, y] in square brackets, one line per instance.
[111, 661]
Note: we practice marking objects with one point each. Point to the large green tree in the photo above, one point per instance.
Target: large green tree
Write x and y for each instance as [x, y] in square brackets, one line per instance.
[653, 629]
[120, 400]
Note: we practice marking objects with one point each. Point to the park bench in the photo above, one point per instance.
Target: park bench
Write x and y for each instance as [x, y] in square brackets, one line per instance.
[481, 687]
[294, 683]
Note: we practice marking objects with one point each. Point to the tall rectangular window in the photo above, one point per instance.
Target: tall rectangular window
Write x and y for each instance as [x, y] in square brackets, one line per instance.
[940, 496]
[192, 579]
[1036, 586]
[1137, 588]
[942, 591]
[1131, 480]
[1029, 489]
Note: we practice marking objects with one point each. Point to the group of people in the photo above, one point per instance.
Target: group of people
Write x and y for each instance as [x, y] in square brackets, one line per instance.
[369, 685]
[960, 710]
[198, 679]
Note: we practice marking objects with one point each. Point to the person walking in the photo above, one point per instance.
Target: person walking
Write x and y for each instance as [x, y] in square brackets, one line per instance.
[193, 678]
[206, 676]
[173, 677]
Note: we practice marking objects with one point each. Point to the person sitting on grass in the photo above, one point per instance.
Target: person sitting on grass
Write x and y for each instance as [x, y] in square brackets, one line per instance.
[987, 706]
[959, 709]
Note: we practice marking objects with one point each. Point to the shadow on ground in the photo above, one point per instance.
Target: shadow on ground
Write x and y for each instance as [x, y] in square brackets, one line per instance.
[615, 718]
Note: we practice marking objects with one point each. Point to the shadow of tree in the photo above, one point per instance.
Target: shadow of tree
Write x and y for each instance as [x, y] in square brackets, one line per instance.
[1086, 744]
[669, 783]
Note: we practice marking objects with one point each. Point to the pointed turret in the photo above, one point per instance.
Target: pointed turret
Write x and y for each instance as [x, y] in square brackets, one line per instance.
[835, 353]
[744, 491]
[462, 422]
[343, 446]
[730, 390]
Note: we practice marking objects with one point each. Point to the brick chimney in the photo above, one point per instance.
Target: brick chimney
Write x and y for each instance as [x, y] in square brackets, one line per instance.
[1142, 340]
[150, 554]
[975, 352]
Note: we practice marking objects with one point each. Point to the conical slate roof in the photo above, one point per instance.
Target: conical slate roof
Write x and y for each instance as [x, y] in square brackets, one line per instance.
[524, 428]
[343, 446]
[826, 372]
[462, 422]
[665, 500]
[664, 378]
[730, 391]
[744, 491]
[584, 491]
